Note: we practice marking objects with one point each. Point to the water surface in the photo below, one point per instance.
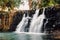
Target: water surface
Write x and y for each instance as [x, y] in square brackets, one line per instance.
[24, 36]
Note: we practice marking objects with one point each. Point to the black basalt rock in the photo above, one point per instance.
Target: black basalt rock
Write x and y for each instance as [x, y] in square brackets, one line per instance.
[16, 19]
[53, 16]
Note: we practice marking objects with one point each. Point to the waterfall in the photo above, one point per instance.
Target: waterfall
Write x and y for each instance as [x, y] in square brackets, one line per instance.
[36, 22]
[45, 25]
[22, 24]
[33, 20]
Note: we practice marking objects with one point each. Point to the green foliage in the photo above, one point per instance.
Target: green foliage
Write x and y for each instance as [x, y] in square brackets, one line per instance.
[16, 3]
[57, 1]
[9, 3]
[49, 2]
[34, 4]
[44, 3]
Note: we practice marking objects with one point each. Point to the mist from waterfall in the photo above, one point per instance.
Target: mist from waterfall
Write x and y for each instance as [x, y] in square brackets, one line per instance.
[37, 22]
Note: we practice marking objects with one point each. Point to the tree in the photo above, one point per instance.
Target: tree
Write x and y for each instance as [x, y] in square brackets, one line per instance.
[9, 3]
[46, 3]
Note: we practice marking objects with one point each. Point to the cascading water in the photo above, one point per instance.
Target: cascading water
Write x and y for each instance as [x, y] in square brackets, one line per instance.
[45, 26]
[37, 22]
[33, 20]
[22, 24]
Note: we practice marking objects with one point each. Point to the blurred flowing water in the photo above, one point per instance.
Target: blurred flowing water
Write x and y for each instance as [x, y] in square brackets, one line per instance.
[35, 24]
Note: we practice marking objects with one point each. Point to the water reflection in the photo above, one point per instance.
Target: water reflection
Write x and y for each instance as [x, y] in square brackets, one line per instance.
[23, 36]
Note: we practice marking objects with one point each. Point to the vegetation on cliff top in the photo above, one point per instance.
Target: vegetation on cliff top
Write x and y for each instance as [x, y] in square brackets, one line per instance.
[14, 3]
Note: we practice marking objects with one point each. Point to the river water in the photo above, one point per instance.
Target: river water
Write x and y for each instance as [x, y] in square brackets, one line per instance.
[25, 36]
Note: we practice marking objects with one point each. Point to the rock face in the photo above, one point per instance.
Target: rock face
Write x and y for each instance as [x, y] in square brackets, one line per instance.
[16, 19]
[4, 22]
[53, 16]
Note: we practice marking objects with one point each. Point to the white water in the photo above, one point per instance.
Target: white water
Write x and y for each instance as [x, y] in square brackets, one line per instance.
[32, 24]
[22, 24]
[35, 25]
[37, 22]
[45, 25]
